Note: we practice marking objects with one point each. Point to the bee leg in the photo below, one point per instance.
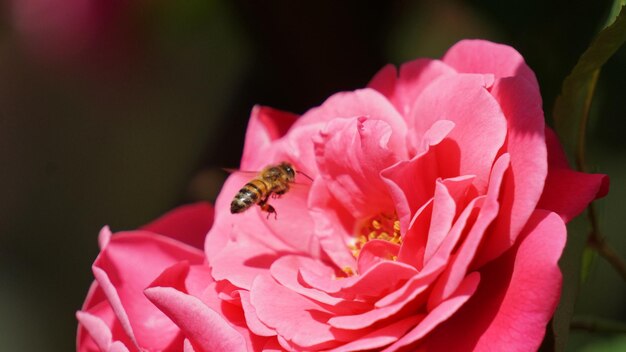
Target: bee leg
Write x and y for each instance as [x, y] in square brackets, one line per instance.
[268, 208]
[279, 194]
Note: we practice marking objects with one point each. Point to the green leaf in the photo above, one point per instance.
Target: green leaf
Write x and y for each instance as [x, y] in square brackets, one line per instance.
[571, 113]
[571, 109]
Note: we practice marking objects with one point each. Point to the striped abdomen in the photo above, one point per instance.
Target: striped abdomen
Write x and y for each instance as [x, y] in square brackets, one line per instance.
[250, 194]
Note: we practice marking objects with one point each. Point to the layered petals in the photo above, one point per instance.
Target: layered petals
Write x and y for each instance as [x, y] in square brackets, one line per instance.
[431, 204]
[116, 314]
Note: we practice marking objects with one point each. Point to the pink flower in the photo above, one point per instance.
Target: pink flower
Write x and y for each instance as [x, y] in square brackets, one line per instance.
[434, 221]
[116, 316]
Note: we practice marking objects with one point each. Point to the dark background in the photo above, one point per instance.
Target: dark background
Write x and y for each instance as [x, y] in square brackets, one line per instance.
[116, 111]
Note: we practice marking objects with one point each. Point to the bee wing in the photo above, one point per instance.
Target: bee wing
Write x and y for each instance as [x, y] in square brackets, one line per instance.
[242, 172]
[298, 185]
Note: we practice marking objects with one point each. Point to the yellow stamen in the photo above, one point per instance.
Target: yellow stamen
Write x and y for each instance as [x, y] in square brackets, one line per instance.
[381, 227]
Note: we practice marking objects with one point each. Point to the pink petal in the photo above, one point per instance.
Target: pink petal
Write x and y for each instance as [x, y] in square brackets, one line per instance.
[323, 277]
[117, 346]
[241, 262]
[351, 153]
[464, 100]
[252, 320]
[409, 191]
[441, 313]
[415, 294]
[379, 279]
[481, 56]
[94, 296]
[187, 347]
[223, 231]
[411, 184]
[296, 318]
[266, 125]
[415, 238]
[273, 345]
[285, 271]
[205, 328]
[525, 284]
[459, 266]
[409, 291]
[96, 329]
[102, 310]
[362, 102]
[253, 226]
[173, 276]
[568, 192]
[435, 134]
[465, 220]
[188, 224]
[104, 237]
[123, 275]
[413, 78]
[381, 337]
[333, 224]
[116, 303]
[448, 193]
[523, 185]
[375, 252]
[293, 224]
[297, 147]
[385, 81]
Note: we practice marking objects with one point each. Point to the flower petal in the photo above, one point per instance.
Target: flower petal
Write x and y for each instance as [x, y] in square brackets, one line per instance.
[351, 153]
[459, 265]
[206, 329]
[96, 329]
[363, 102]
[523, 185]
[413, 78]
[448, 193]
[517, 295]
[558, 195]
[381, 278]
[266, 125]
[440, 313]
[123, 275]
[188, 223]
[480, 126]
[297, 319]
[481, 56]
[381, 337]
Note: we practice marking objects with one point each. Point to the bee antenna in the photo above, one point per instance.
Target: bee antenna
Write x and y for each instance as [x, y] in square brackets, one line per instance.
[305, 175]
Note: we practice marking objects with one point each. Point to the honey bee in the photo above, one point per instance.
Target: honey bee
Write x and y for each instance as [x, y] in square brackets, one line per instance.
[273, 181]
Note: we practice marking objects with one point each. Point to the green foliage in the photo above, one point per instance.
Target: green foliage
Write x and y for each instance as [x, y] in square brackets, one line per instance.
[571, 114]
[571, 108]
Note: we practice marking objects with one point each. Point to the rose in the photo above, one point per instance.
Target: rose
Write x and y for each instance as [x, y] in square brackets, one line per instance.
[434, 220]
[116, 316]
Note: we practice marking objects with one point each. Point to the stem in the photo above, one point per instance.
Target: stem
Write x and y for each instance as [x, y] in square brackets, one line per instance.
[597, 325]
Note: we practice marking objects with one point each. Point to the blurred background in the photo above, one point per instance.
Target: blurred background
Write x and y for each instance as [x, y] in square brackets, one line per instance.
[114, 111]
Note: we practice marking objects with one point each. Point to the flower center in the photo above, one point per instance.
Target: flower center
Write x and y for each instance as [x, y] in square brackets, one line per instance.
[380, 227]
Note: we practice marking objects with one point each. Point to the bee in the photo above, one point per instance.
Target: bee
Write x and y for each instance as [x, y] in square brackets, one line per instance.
[273, 181]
